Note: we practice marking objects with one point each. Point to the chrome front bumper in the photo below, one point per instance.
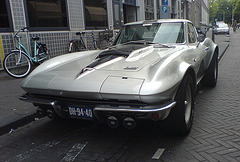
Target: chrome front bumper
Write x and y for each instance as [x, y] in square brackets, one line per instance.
[142, 111]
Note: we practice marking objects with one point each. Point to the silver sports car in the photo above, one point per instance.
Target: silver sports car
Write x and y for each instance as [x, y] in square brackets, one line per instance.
[150, 72]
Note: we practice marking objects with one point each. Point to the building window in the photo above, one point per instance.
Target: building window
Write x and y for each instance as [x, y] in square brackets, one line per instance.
[4, 16]
[116, 9]
[95, 14]
[149, 14]
[47, 13]
[158, 9]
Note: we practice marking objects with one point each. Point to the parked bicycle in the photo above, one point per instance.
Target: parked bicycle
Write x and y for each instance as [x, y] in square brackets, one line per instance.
[106, 38]
[18, 63]
[77, 45]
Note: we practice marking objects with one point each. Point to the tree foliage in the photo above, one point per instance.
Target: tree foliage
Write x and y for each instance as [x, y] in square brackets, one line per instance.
[224, 10]
[236, 10]
[213, 8]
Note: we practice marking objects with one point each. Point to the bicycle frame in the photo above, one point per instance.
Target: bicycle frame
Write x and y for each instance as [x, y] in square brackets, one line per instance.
[18, 63]
[94, 42]
[22, 48]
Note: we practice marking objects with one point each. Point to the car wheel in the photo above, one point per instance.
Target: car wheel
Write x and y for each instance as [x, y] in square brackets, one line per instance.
[181, 116]
[211, 75]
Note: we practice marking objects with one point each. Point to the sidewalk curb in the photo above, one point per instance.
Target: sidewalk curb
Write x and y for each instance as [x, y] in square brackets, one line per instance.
[14, 117]
[17, 122]
[223, 53]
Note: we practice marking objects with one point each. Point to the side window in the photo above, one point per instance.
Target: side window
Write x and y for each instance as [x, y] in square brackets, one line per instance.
[192, 37]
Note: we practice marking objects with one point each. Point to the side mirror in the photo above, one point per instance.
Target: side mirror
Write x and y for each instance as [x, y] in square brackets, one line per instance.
[201, 37]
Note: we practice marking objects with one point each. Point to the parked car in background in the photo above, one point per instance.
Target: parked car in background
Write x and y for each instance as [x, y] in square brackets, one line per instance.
[221, 28]
[150, 72]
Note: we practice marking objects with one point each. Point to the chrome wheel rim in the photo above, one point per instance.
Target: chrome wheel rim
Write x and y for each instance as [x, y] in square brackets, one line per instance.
[188, 104]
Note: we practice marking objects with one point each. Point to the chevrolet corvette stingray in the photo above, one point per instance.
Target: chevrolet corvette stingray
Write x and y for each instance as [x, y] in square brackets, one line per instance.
[150, 72]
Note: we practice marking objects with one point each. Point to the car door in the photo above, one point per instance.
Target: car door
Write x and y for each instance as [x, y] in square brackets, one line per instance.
[198, 49]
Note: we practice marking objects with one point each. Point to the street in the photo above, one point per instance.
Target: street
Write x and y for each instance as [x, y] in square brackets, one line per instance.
[215, 135]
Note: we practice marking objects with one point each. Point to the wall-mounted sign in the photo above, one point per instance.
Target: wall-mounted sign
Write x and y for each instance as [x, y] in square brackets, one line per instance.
[165, 2]
[164, 12]
[165, 9]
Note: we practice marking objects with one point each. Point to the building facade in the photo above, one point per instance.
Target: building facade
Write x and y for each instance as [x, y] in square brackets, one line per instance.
[57, 21]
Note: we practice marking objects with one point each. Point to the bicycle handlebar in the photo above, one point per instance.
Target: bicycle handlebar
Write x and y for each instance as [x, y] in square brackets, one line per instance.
[79, 33]
[21, 29]
[24, 28]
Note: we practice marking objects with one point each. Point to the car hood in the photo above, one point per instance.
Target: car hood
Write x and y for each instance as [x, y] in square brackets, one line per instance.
[97, 74]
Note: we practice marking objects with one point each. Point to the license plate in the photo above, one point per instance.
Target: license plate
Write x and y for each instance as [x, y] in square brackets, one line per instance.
[82, 112]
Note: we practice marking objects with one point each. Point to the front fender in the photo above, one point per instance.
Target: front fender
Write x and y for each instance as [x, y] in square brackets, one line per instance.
[164, 84]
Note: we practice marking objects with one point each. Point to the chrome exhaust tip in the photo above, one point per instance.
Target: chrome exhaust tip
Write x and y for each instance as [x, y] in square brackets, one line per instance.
[129, 123]
[112, 122]
[41, 112]
[51, 114]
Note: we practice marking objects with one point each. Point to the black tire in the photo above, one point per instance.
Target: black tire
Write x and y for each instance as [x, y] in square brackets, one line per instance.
[211, 75]
[103, 44]
[181, 116]
[17, 70]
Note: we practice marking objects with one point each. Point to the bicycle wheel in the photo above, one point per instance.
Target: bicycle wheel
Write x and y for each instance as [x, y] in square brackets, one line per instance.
[104, 44]
[15, 69]
[77, 46]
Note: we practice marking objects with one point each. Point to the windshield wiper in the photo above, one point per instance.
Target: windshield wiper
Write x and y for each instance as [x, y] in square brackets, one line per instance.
[139, 42]
[157, 45]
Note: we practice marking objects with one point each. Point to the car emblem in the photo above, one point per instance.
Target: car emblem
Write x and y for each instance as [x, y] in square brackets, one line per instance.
[130, 68]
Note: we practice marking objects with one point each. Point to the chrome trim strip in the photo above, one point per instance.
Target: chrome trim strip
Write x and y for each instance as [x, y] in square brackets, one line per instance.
[97, 108]
[39, 101]
[169, 106]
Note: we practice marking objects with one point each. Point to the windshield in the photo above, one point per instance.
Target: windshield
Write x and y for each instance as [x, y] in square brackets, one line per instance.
[162, 33]
[223, 26]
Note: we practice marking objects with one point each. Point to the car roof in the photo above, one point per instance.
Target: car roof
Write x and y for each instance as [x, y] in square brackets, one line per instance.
[157, 21]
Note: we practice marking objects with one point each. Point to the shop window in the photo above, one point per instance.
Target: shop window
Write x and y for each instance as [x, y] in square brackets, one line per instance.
[95, 14]
[47, 13]
[130, 13]
[4, 16]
